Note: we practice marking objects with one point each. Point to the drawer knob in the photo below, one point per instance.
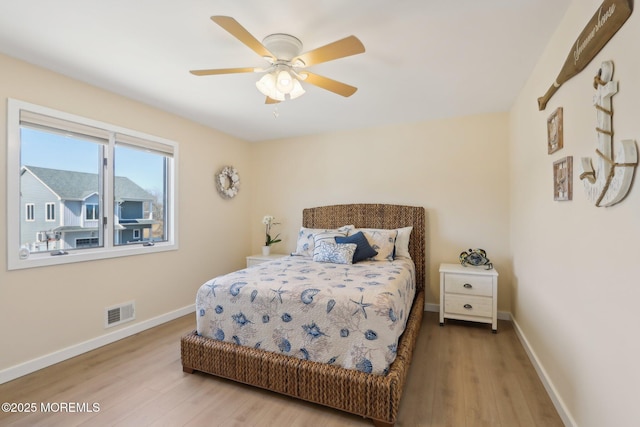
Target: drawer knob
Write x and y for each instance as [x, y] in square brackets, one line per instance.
[468, 306]
[467, 285]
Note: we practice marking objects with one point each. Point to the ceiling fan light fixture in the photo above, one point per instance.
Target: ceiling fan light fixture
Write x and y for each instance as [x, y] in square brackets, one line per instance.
[284, 81]
[297, 90]
[267, 86]
[277, 95]
[266, 83]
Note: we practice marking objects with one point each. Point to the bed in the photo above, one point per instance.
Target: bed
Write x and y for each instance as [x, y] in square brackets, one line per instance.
[371, 395]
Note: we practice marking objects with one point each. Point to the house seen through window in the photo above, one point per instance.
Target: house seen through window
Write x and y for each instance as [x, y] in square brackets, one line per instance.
[86, 186]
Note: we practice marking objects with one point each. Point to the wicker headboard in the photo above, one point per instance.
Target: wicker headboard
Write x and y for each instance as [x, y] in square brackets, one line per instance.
[365, 215]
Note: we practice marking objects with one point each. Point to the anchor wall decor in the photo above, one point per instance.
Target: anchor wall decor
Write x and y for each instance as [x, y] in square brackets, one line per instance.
[610, 180]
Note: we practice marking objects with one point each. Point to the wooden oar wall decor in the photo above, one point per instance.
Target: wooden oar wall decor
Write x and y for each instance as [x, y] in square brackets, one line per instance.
[607, 20]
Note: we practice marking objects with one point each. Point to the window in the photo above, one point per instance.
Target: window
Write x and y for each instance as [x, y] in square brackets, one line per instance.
[103, 191]
[29, 209]
[91, 212]
[50, 208]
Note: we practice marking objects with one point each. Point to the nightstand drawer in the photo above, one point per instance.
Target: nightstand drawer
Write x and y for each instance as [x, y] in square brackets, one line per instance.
[259, 259]
[468, 305]
[468, 284]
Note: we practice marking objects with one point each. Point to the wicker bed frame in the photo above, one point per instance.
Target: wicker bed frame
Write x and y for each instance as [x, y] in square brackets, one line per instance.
[372, 396]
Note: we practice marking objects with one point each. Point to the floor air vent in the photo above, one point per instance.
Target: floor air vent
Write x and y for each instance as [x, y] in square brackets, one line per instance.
[120, 314]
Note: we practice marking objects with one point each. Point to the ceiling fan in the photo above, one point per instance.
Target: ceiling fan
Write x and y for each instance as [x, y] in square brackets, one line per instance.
[286, 62]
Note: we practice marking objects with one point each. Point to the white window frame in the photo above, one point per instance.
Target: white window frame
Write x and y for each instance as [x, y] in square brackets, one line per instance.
[20, 258]
[136, 233]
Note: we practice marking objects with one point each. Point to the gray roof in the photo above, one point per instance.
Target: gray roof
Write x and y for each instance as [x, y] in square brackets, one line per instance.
[69, 185]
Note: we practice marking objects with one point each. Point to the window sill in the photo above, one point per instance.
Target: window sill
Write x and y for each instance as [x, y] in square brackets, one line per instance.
[73, 256]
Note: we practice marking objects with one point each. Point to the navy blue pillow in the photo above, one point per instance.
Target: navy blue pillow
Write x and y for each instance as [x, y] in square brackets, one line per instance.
[364, 249]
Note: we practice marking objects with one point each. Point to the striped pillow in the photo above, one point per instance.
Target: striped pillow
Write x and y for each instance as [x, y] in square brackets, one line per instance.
[306, 238]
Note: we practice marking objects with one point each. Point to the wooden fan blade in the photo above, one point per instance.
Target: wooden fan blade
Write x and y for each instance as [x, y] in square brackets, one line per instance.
[239, 32]
[271, 101]
[339, 49]
[330, 84]
[222, 71]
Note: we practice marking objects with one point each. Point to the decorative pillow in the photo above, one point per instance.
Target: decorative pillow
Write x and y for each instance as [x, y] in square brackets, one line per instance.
[305, 244]
[381, 240]
[402, 243]
[327, 236]
[336, 253]
[363, 249]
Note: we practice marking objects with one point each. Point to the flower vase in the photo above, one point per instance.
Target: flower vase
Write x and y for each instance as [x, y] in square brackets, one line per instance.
[266, 250]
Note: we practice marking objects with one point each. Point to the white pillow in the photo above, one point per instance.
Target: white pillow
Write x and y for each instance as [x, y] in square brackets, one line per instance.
[305, 243]
[402, 242]
[381, 240]
[336, 253]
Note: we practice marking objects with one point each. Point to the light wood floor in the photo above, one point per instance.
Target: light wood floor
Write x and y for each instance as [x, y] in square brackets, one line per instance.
[461, 375]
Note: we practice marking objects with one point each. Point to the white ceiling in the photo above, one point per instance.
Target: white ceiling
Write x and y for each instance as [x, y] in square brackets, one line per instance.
[424, 59]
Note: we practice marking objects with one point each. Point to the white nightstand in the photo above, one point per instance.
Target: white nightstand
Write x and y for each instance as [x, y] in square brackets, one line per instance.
[259, 259]
[469, 293]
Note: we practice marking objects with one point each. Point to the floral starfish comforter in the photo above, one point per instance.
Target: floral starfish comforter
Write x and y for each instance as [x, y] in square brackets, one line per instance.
[348, 315]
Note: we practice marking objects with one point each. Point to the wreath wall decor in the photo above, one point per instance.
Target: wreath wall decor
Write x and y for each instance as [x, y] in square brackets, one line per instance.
[228, 182]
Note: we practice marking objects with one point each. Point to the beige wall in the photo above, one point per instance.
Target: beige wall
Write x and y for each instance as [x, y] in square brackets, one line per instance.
[457, 169]
[576, 269]
[45, 310]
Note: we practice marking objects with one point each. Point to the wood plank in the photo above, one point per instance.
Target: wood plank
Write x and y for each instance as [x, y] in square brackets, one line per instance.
[461, 375]
[448, 403]
[480, 403]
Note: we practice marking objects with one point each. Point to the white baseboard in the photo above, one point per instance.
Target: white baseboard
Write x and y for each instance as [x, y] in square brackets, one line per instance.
[431, 307]
[566, 417]
[33, 365]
